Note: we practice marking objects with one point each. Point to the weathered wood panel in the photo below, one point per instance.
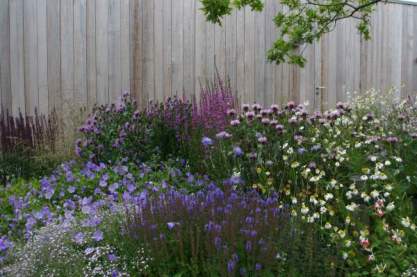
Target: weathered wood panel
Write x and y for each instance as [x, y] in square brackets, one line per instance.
[62, 54]
[5, 80]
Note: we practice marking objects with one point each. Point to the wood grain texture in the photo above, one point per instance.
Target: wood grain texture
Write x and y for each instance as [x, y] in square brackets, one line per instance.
[113, 51]
[62, 54]
[17, 64]
[30, 46]
[5, 77]
[91, 54]
[102, 51]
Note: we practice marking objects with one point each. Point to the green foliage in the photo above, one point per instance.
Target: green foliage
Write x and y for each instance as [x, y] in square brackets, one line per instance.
[303, 22]
[121, 131]
[27, 163]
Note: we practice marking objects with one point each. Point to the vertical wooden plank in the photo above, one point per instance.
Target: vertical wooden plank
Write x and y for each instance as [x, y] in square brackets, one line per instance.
[220, 49]
[231, 49]
[91, 54]
[5, 77]
[277, 74]
[269, 67]
[310, 77]
[124, 44]
[54, 56]
[407, 59]
[249, 55]
[167, 48]
[136, 26]
[102, 63]
[332, 63]
[189, 47]
[211, 51]
[396, 48]
[30, 38]
[324, 70]
[42, 56]
[17, 65]
[148, 52]
[114, 63]
[159, 53]
[201, 71]
[260, 58]
[414, 71]
[177, 46]
[67, 61]
[80, 53]
[240, 55]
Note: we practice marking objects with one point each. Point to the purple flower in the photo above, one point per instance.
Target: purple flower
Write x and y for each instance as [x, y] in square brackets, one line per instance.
[112, 258]
[206, 141]
[263, 140]
[223, 135]
[89, 251]
[248, 246]
[237, 151]
[235, 122]
[98, 235]
[5, 244]
[258, 266]
[279, 128]
[79, 238]
[131, 187]
[171, 225]
[217, 242]
[231, 265]
[71, 189]
[113, 187]
[231, 112]
[250, 115]
[274, 108]
[266, 121]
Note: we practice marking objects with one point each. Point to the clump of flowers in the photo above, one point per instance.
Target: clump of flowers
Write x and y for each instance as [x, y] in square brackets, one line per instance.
[210, 232]
[342, 170]
[121, 131]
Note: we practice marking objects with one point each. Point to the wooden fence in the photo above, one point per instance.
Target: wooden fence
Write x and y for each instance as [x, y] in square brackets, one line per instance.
[65, 54]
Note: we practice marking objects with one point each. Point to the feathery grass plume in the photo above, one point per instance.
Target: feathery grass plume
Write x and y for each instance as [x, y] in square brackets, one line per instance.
[36, 132]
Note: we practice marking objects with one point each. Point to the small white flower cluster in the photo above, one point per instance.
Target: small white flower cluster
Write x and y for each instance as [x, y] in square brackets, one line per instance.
[45, 254]
[142, 261]
[100, 263]
[411, 272]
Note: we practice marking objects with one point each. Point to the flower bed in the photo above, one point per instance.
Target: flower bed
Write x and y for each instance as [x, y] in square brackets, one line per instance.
[266, 191]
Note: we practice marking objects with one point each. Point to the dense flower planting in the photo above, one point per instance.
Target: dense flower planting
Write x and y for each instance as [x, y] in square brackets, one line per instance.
[213, 189]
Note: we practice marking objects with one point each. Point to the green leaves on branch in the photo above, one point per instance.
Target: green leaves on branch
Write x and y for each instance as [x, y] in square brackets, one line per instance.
[214, 10]
[302, 23]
